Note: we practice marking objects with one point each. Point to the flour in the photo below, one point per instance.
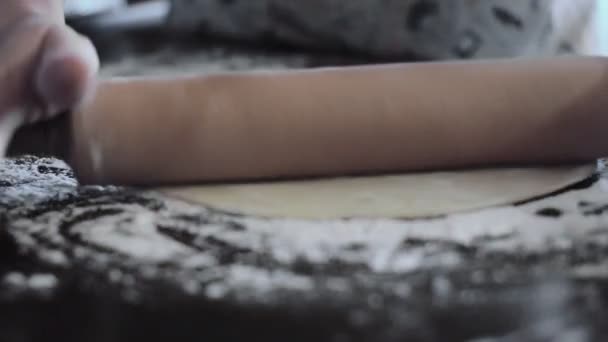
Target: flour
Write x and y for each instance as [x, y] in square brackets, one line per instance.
[34, 183]
[137, 237]
[15, 279]
[397, 274]
[265, 282]
[41, 283]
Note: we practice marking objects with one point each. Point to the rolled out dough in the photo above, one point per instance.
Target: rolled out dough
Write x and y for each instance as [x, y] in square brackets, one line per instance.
[412, 195]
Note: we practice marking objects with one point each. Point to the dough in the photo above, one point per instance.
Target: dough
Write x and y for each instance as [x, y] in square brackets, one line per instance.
[413, 195]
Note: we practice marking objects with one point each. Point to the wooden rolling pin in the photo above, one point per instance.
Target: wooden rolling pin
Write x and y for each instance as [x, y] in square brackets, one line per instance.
[333, 121]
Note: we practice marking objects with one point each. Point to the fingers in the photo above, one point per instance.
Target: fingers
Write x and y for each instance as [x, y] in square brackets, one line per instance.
[65, 74]
[45, 67]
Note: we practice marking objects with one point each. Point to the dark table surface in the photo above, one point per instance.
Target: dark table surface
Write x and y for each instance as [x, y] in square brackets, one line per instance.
[117, 264]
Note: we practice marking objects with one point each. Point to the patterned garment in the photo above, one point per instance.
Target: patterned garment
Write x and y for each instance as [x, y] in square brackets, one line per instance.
[427, 29]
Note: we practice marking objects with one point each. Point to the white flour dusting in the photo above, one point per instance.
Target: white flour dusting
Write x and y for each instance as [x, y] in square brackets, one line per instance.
[40, 283]
[219, 255]
[34, 186]
[288, 242]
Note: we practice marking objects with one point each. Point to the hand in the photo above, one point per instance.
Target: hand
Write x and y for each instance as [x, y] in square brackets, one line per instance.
[45, 66]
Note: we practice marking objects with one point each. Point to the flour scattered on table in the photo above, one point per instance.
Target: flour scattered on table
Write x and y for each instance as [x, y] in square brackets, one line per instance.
[136, 237]
[41, 283]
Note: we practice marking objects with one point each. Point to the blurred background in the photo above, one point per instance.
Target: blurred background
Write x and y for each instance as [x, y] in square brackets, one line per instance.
[209, 35]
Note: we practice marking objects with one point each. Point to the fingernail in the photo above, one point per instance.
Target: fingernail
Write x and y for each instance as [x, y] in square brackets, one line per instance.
[61, 82]
[53, 84]
[67, 69]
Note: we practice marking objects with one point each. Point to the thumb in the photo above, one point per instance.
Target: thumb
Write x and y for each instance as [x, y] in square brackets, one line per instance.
[65, 74]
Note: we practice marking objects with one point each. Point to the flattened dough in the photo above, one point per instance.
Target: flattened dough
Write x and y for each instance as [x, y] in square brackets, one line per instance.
[413, 195]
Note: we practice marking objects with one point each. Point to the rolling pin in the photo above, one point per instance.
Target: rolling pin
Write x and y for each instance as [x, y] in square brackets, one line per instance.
[332, 121]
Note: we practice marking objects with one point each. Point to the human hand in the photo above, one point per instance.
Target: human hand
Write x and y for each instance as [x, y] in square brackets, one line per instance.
[45, 66]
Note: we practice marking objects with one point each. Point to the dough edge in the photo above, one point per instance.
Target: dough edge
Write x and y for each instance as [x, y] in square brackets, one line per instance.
[420, 195]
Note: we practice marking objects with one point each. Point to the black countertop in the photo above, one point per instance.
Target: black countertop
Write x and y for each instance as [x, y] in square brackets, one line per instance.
[115, 264]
